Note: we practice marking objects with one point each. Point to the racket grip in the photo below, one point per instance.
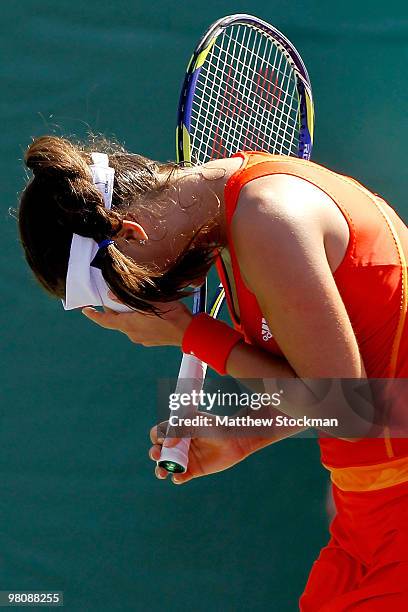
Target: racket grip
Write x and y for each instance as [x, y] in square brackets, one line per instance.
[175, 458]
[191, 378]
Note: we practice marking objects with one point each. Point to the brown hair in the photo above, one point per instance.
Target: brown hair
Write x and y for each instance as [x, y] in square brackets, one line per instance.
[61, 199]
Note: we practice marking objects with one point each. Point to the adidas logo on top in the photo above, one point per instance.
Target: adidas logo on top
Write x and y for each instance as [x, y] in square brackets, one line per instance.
[266, 332]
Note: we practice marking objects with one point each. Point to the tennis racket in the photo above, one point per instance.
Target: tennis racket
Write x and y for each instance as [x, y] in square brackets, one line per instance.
[246, 88]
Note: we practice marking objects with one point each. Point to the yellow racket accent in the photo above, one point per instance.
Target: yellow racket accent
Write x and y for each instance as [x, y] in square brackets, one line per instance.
[310, 114]
[186, 144]
[203, 55]
[217, 302]
[189, 63]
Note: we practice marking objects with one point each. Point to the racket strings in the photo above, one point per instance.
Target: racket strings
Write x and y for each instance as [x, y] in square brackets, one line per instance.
[240, 63]
[245, 115]
[266, 87]
[261, 91]
[246, 98]
[267, 84]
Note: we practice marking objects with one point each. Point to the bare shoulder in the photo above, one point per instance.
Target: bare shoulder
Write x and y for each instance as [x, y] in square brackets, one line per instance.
[281, 208]
[278, 203]
[285, 193]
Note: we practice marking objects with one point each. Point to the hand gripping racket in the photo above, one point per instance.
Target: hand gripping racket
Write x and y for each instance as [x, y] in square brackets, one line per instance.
[246, 88]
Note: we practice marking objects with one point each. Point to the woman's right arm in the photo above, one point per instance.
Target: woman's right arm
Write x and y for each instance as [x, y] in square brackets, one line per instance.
[212, 455]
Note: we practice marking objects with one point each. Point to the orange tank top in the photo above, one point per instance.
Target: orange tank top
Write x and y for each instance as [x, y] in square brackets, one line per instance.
[371, 279]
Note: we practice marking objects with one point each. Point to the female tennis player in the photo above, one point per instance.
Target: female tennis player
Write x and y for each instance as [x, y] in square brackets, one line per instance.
[312, 255]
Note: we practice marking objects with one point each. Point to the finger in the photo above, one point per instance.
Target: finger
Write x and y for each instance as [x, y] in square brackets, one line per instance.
[170, 441]
[161, 473]
[155, 452]
[158, 433]
[104, 319]
[179, 479]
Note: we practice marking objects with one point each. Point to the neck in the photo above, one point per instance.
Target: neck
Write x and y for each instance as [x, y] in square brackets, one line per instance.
[195, 201]
[201, 194]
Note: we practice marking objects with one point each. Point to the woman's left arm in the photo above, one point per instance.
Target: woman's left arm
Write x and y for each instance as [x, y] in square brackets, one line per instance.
[281, 252]
[280, 246]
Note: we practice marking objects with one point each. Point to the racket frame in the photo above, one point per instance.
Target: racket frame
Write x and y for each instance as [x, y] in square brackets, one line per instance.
[198, 58]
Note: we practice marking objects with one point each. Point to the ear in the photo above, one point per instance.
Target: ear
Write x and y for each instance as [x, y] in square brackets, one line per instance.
[133, 230]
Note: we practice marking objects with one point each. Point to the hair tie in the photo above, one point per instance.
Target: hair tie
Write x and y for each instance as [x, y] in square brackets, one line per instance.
[105, 243]
[100, 254]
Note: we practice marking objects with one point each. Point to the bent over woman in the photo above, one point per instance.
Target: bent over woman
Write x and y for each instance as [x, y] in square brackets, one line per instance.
[311, 254]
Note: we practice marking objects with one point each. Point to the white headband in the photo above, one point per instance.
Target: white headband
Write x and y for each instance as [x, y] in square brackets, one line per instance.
[85, 285]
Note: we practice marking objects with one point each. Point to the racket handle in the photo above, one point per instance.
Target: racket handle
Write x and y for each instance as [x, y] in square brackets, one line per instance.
[175, 458]
[191, 378]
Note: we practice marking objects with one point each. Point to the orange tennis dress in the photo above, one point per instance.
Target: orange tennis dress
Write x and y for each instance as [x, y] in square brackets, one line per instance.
[365, 565]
